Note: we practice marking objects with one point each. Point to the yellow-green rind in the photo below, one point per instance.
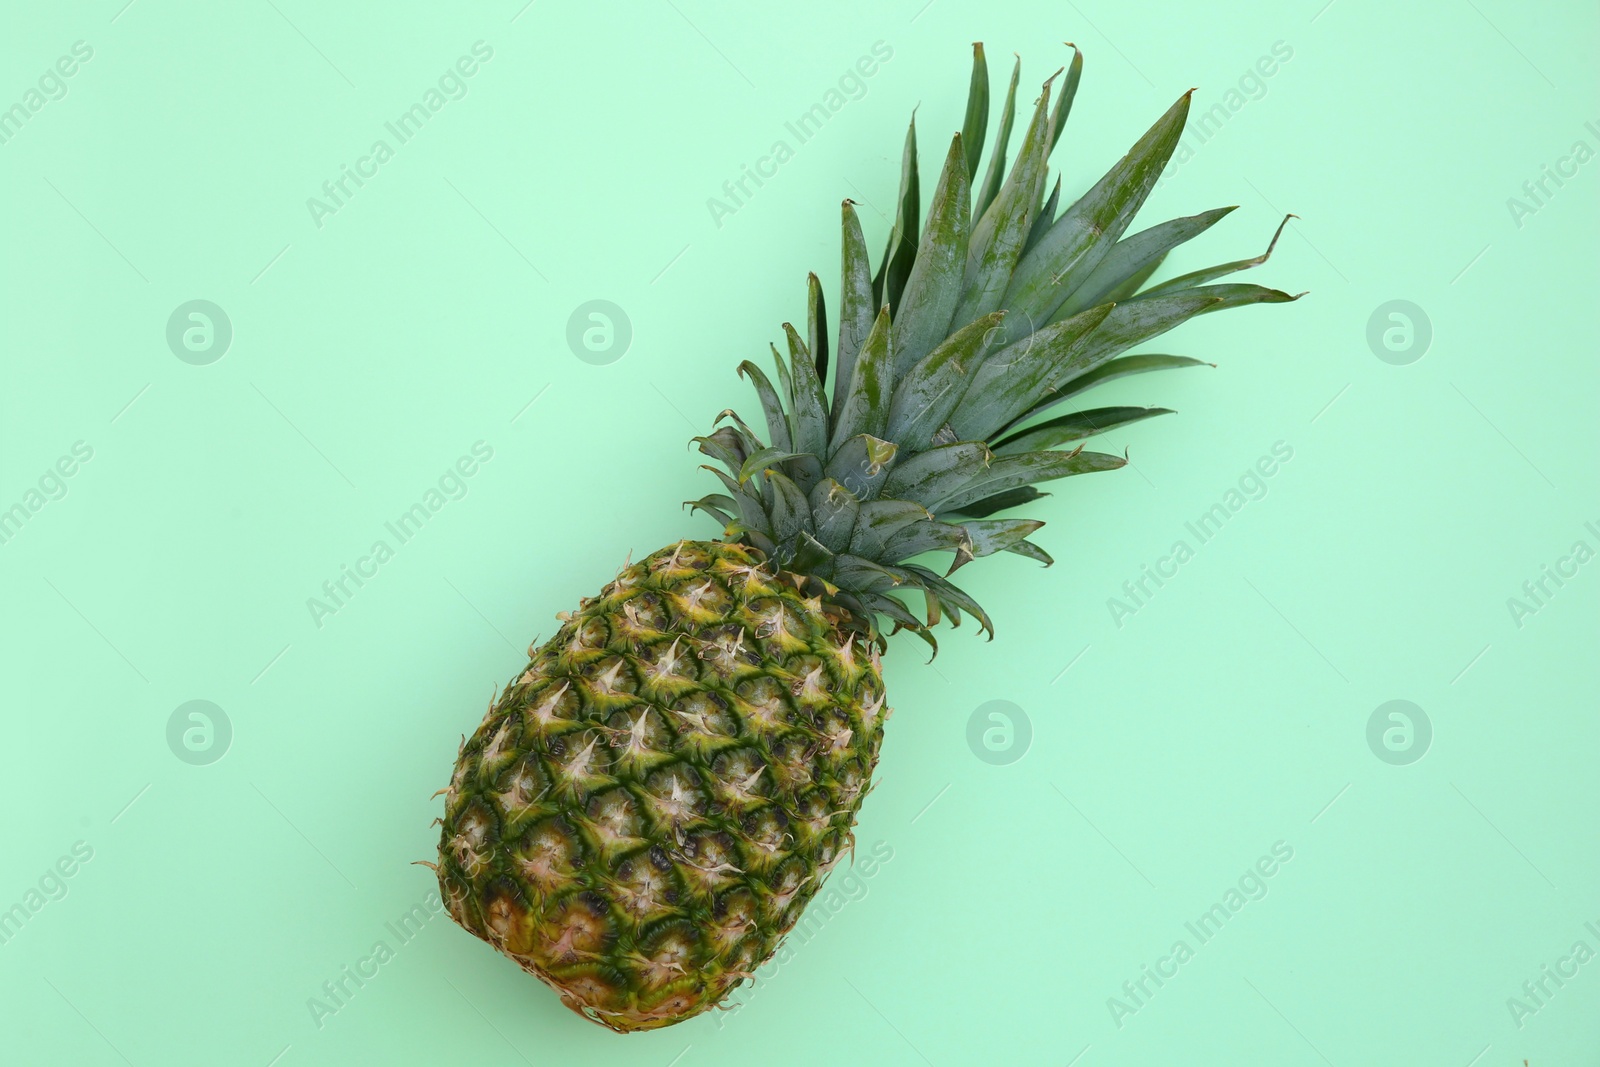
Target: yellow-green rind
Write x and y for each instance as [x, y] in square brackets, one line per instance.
[647, 808]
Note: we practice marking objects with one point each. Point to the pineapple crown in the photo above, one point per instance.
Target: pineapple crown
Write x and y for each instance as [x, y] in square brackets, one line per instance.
[993, 315]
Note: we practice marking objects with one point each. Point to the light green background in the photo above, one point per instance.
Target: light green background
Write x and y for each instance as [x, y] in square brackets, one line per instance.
[368, 354]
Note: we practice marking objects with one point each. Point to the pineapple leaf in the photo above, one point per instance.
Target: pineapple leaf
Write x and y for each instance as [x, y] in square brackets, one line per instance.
[754, 538]
[1122, 367]
[888, 605]
[717, 505]
[811, 557]
[1069, 92]
[968, 540]
[1131, 284]
[902, 249]
[833, 514]
[924, 398]
[1010, 498]
[1139, 320]
[1077, 426]
[929, 535]
[752, 516]
[1194, 278]
[809, 407]
[856, 306]
[760, 461]
[1012, 472]
[785, 387]
[724, 445]
[817, 329]
[790, 510]
[950, 356]
[866, 403]
[998, 235]
[997, 160]
[1032, 551]
[977, 120]
[879, 521]
[951, 596]
[805, 469]
[862, 465]
[1086, 231]
[1133, 254]
[863, 575]
[1013, 379]
[771, 406]
[998, 535]
[938, 473]
[1044, 219]
[922, 318]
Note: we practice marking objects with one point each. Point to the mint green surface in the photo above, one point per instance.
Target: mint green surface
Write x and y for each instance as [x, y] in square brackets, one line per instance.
[1174, 741]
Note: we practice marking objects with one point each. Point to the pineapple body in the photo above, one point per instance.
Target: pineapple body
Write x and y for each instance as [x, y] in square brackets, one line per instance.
[648, 807]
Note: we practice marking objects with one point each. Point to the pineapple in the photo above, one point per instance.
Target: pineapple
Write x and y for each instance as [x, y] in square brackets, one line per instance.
[650, 803]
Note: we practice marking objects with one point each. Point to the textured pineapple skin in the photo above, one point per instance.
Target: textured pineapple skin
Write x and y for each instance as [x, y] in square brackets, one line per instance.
[646, 810]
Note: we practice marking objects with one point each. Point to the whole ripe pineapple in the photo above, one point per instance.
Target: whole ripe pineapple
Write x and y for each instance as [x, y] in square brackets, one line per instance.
[647, 808]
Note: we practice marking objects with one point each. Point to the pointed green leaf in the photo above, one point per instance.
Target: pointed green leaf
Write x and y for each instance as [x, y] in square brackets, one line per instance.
[860, 575]
[889, 606]
[969, 540]
[924, 399]
[1078, 426]
[1131, 284]
[952, 596]
[762, 460]
[937, 474]
[754, 538]
[1012, 472]
[1031, 551]
[1010, 498]
[865, 407]
[817, 328]
[856, 305]
[1069, 91]
[862, 465]
[1121, 368]
[1014, 379]
[745, 432]
[811, 557]
[751, 513]
[1133, 254]
[895, 267]
[1088, 229]
[805, 469]
[833, 514]
[929, 535]
[922, 318]
[771, 405]
[998, 236]
[879, 521]
[1044, 219]
[997, 160]
[717, 505]
[785, 389]
[977, 121]
[725, 445]
[790, 511]
[1137, 321]
[998, 535]
[1194, 278]
[809, 409]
